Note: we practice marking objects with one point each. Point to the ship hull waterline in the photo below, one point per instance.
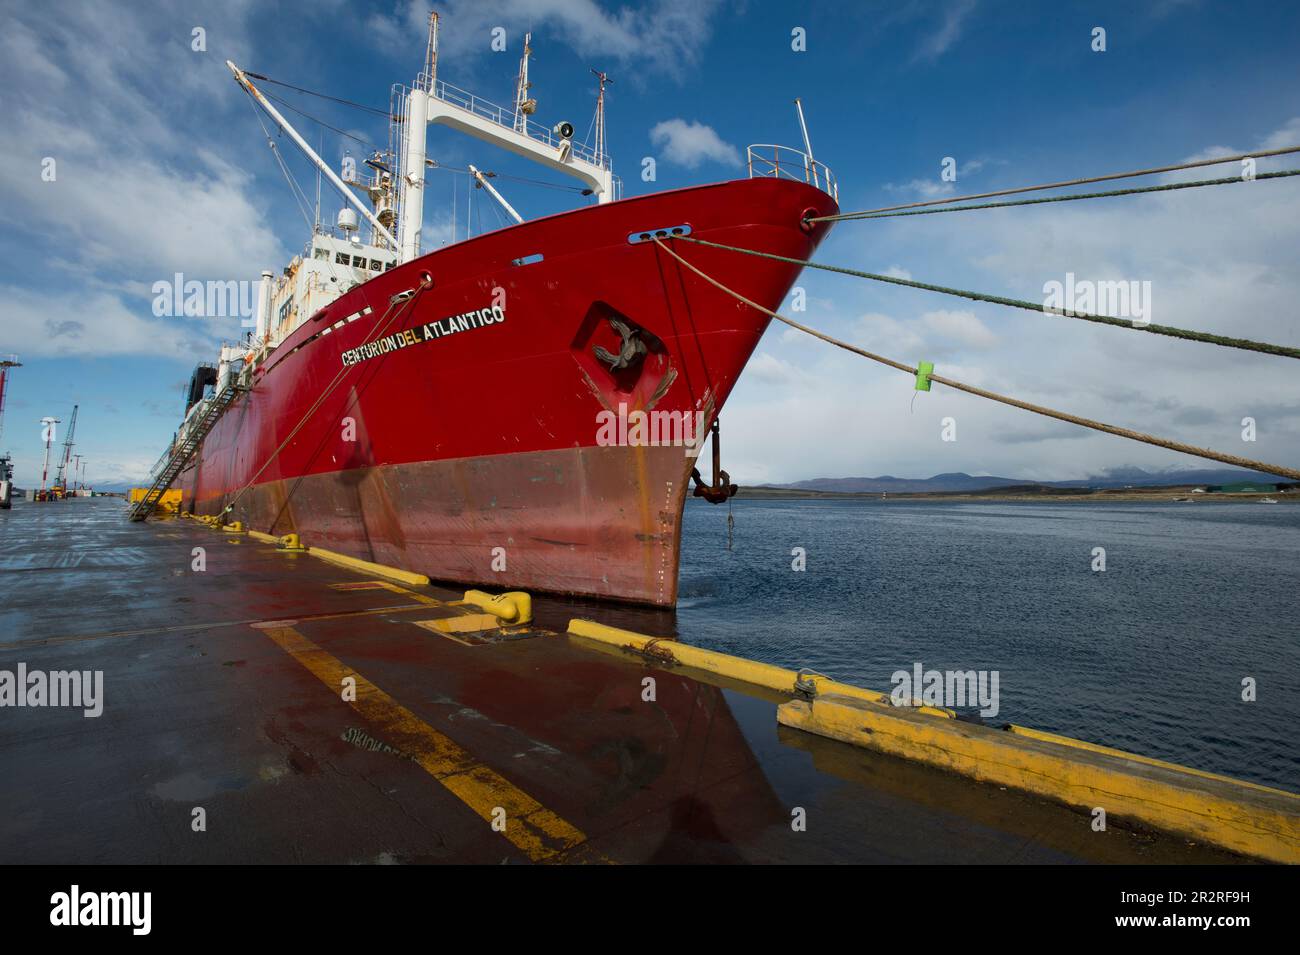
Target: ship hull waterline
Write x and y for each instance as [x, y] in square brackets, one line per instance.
[479, 450]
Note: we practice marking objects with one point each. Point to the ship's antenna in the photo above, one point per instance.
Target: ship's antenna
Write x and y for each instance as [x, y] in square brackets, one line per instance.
[600, 116]
[431, 54]
[525, 105]
[320, 139]
[807, 143]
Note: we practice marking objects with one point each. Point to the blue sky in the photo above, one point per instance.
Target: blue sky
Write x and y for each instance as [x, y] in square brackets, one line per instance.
[162, 168]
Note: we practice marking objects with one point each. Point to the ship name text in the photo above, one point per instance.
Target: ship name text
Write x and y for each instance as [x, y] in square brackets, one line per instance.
[420, 334]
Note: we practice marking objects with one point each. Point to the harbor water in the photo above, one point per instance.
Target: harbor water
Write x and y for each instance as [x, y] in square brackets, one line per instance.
[1147, 656]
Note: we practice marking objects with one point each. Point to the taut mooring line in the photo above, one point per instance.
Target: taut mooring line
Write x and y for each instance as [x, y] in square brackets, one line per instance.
[1207, 453]
[1167, 187]
[1061, 185]
[1245, 344]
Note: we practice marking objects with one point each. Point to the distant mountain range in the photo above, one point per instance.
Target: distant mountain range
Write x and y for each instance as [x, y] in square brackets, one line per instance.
[961, 482]
[958, 482]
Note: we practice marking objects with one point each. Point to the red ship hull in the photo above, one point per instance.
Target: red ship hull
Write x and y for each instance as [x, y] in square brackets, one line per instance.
[474, 449]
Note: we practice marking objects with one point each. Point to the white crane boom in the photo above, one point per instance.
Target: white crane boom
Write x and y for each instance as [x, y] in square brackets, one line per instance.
[242, 78]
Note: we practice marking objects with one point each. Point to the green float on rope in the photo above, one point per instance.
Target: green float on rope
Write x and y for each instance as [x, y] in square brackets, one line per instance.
[923, 372]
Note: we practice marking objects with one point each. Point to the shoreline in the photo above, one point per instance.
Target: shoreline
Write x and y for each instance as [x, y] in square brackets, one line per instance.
[1154, 495]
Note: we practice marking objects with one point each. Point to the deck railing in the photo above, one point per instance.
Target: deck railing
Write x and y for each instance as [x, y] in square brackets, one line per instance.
[502, 116]
[785, 162]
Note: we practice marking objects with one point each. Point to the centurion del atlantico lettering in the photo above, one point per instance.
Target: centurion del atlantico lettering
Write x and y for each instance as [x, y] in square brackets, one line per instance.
[419, 334]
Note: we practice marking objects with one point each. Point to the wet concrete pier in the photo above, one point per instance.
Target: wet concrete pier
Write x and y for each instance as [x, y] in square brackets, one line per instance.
[272, 707]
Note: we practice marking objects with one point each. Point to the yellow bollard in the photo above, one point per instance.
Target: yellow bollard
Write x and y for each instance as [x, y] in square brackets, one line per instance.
[514, 607]
[291, 542]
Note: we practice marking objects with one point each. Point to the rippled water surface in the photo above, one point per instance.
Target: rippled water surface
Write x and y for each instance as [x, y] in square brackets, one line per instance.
[1148, 656]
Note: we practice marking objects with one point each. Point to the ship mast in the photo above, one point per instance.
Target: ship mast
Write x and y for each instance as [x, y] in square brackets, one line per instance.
[600, 115]
[525, 105]
[431, 53]
[415, 130]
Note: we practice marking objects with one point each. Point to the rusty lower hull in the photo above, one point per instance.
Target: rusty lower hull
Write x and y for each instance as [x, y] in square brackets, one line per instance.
[600, 522]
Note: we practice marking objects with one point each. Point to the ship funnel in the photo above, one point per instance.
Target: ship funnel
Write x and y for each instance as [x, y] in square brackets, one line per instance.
[264, 305]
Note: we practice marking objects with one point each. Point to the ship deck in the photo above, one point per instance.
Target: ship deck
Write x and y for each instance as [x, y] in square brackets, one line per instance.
[222, 693]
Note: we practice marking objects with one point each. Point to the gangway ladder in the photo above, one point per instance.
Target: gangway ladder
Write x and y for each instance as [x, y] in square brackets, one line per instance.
[183, 451]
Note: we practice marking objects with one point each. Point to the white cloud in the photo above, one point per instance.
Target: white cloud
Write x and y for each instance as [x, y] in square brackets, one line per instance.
[1286, 135]
[689, 144]
[136, 215]
[886, 336]
[771, 370]
[659, 37]
[960, 327]
[134, 198]
[97, 324]
[953, 20]
[933, 334]
[923, 188]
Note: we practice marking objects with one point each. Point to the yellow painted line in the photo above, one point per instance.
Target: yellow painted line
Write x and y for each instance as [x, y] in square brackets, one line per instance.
[468, 623]
[267, 538]
[453, 627]
[369, 567]
[1242, 818]
[724, 664]
[530, 826]
[186, 627]
[391, 587]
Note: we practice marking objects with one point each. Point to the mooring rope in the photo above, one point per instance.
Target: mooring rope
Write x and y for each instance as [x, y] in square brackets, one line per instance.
[386, 320]
[1246, 344]
[1061, 185]
[1168, 187]
[1166, 443]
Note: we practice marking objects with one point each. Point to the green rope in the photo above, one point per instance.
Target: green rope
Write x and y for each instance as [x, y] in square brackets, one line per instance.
[1246, 344]
[1084, 195]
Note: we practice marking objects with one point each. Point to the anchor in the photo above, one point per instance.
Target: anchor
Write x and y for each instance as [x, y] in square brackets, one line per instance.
[721, 489]
[631, 350]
